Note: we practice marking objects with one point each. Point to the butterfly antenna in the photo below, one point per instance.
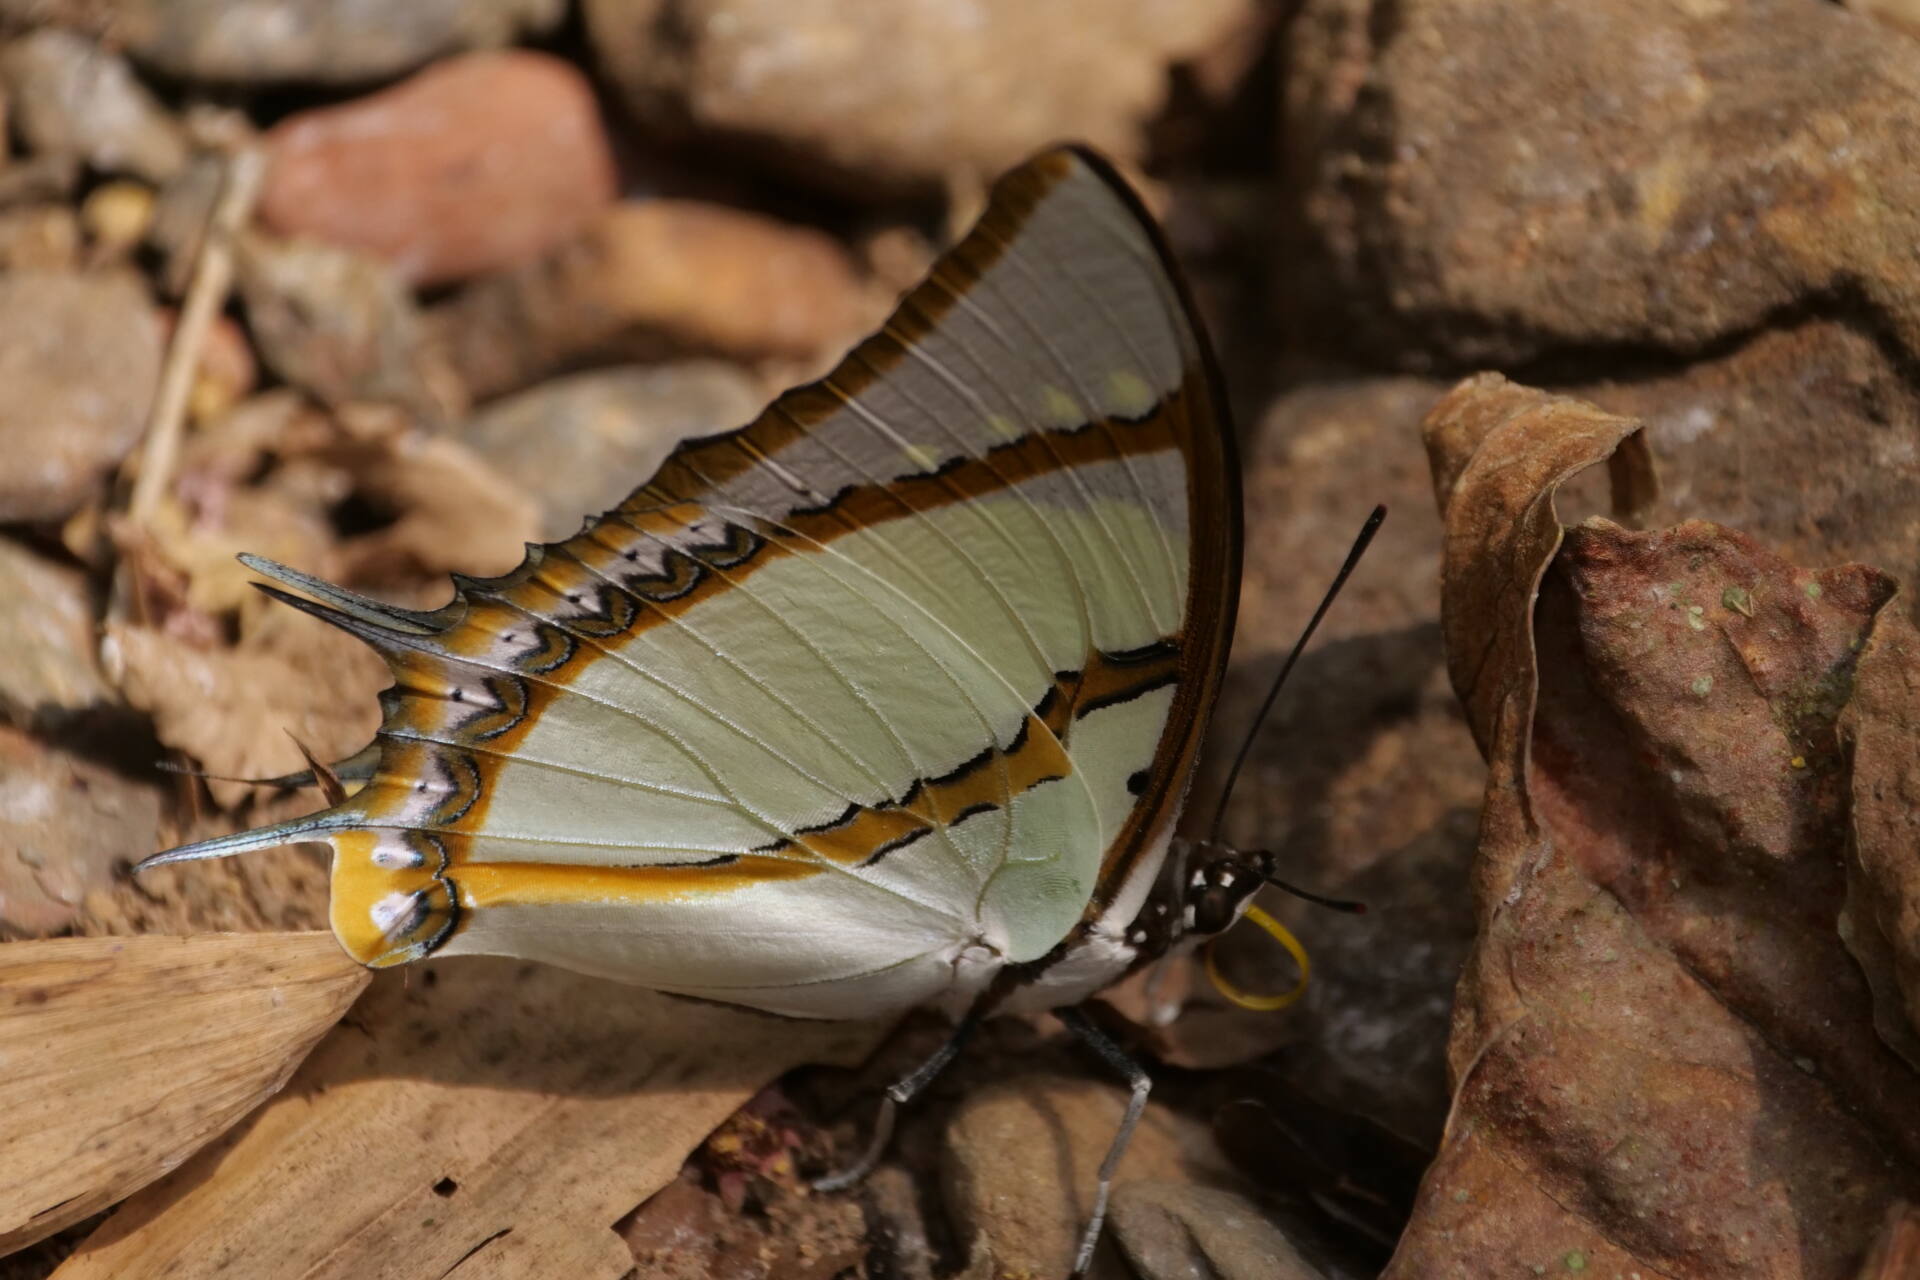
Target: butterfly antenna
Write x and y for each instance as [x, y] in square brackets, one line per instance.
[1367, 530]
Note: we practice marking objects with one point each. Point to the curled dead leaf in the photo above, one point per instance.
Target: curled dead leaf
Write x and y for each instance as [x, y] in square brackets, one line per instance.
[123, 1056]
[1664, 1057]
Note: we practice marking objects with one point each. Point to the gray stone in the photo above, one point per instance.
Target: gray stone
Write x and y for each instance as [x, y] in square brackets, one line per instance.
[65, 824]
[897, 94]
[1175, 1231]
[335, 322]
[582, 443]
[73, 98]
[79, 358]
[46, 631]
[252, 42]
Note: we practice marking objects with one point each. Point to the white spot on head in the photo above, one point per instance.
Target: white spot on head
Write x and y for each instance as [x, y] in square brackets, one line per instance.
[1226, 877]
[1137, 937]
[1199, 880]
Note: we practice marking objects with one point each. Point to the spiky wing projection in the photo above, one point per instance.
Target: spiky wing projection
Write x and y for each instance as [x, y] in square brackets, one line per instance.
[850, 706]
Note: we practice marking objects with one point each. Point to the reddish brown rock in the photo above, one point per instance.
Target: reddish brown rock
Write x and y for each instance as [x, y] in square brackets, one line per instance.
[902, 94]
[478, 163]
[1488, 181]
[654, 277]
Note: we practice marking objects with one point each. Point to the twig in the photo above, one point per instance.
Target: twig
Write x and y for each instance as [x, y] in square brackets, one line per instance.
[206, 295]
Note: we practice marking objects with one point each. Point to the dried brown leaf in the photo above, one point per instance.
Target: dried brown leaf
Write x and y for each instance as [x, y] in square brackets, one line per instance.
[1665, 1058]
[233, 709]
[478, 1118]
[451, 512]
[123, 1056]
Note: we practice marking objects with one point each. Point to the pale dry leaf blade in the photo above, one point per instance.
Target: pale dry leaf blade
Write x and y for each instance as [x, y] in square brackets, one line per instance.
[120, 1057]
[467, 1105]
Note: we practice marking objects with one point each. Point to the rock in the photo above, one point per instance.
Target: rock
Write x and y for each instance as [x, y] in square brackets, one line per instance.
[71, 97]
[475, 164]
[1018, 1167]
[46, 631]
[1488, 181]
[39, 237]
[79, 357]
[582, 443]
[1171, 1231]
[260, 42]
[1803, 435]
[898, 95]
[64, 825]
[335, 322]
[654, 277]
[42, 177]
[1902, 15]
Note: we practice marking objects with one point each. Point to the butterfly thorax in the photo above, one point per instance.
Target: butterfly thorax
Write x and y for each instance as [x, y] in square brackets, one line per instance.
[1202, 888]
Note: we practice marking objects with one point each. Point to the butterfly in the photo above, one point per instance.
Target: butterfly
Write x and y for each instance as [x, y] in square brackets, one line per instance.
[889, 698]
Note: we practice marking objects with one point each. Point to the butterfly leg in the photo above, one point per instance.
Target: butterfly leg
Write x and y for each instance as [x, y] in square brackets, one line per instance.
[898, 1094]
[1141, 1083]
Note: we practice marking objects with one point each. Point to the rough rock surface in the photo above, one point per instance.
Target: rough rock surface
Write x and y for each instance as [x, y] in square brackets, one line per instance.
[63, 425]
[1488, 181]
[478, 163]
[902, 94]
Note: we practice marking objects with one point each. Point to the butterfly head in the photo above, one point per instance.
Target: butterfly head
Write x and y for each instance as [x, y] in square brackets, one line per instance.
[1205, 887]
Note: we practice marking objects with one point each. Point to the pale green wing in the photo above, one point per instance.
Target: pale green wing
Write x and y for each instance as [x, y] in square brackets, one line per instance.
[857, 703]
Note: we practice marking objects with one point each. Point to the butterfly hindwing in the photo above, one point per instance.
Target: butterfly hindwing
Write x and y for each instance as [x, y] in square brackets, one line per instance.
[848, 707]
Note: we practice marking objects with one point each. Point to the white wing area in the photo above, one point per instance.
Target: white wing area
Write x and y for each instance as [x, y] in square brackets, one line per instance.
[844, 710]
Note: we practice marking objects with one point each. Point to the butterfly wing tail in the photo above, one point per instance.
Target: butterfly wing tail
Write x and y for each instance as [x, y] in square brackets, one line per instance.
[315, 826]
[374, 613]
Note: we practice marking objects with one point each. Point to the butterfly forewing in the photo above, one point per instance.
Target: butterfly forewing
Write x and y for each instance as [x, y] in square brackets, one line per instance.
[849, 707]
